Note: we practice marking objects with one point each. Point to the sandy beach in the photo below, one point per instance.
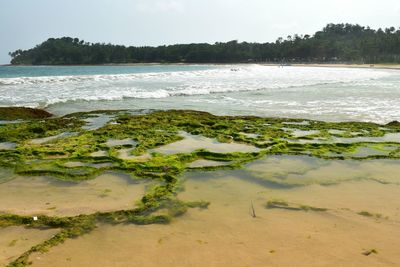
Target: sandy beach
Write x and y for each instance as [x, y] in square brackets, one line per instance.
[341, 65]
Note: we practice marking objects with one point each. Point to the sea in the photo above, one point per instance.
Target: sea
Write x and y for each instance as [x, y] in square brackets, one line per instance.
[321, 93]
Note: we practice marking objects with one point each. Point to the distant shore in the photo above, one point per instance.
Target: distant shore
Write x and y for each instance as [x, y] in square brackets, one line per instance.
[324, 65]
[344, 65]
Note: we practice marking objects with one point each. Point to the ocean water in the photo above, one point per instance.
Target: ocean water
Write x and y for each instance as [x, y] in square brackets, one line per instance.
[332, 94]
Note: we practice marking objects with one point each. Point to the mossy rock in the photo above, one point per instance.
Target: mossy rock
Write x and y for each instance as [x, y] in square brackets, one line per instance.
[393, 124]
[22, 113]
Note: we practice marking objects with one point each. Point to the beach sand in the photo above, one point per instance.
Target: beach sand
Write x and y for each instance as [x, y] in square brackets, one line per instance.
[344, 65]
[227, 235]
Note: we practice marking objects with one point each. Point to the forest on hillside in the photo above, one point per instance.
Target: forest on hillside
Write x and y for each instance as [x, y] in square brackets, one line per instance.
[334, 43]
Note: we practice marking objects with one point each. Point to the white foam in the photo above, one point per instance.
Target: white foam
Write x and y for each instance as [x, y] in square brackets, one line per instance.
[47, 90]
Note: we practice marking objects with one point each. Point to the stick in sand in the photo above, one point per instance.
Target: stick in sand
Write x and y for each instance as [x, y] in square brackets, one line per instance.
[253, 212]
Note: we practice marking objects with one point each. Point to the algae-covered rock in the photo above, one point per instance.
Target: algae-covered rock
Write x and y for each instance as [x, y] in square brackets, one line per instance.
[22, 113]
[393, 123]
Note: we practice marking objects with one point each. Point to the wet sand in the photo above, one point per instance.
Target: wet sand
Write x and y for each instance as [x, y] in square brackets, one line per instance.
[41, 195]
[303, 170]
[15, 240]
[344, 65]
[227, 235]
[194, 142]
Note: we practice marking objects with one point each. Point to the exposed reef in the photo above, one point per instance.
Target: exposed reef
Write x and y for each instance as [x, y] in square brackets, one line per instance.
[70, 149]
[22, 113]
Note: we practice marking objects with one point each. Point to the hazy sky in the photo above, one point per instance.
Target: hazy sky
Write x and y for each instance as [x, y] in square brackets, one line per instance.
[25, 23]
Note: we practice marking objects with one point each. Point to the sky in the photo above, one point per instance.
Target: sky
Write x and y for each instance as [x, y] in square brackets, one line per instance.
[26, 23]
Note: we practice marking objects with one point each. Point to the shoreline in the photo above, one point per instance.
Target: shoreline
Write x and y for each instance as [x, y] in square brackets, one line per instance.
[352, 66]
[322, 65]
[27, 113]
[61, 108]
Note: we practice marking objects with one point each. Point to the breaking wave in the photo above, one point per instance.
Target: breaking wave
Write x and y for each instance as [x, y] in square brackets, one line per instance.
[46, 90]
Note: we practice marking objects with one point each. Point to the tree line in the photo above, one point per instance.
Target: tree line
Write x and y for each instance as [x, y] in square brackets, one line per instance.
[334, 43]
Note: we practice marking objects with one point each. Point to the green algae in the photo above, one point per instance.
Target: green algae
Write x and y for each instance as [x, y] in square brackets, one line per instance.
[369, 214]
[150, 131]
[26, 130]
[143, 134]
[281, 204]
[157, 129]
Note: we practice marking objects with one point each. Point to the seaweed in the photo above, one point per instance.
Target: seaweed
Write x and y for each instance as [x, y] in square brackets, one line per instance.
[281, 204]
[369, 214]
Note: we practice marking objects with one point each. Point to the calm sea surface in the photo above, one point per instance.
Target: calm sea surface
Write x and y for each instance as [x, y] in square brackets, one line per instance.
[334, 94]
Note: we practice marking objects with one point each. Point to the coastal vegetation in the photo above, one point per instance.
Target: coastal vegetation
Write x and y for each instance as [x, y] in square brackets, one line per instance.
[334, 43]
[41, 147]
